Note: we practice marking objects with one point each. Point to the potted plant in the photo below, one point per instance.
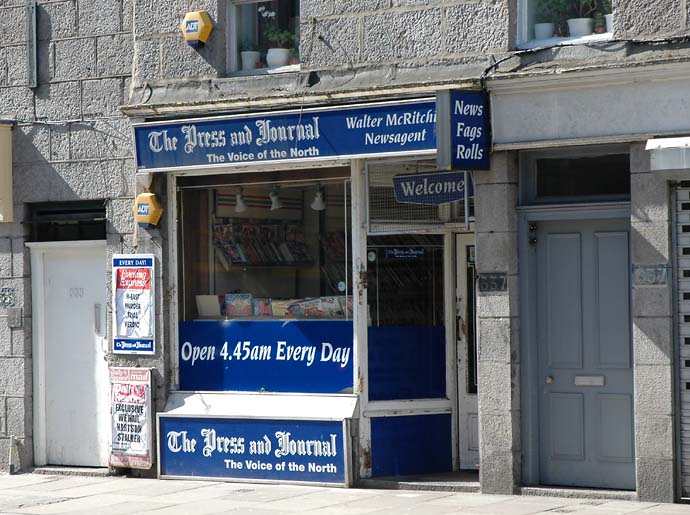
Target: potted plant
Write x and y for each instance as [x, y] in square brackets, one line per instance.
[599, 23]
[279, 39]
[547, 11]
[608, 14]
[580, 23]
[249, 54]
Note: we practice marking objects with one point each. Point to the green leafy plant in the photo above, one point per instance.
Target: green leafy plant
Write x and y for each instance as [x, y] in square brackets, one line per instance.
[564, 9]
[548, 11]
[273, 33]
[606, 6]
[599, 23]
[582, 8]
[248, 46]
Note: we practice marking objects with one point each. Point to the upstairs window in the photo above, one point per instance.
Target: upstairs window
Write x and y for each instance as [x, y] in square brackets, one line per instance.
[263, 36]
[553, 22]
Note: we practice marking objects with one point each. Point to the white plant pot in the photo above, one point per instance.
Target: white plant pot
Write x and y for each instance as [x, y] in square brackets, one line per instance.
[277, 57]
[250, 58]
[579, 27]
[543, 31]
[609, 22]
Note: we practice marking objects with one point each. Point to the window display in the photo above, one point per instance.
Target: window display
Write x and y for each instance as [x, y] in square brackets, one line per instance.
[267, 251]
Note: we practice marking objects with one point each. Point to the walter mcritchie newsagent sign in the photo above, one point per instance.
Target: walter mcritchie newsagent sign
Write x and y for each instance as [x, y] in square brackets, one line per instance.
[402, 128]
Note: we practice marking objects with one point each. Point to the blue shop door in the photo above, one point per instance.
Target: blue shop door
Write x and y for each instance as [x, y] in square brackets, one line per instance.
[407, 353]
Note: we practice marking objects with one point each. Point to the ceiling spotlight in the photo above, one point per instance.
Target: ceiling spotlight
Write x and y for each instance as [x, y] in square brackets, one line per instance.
[275, 199]
[318, 204]
[240, 204]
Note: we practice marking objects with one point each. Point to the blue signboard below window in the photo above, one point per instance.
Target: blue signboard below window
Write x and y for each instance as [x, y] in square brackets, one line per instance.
[253, 449]
[299, 356]
[432, 189]
[419, 444]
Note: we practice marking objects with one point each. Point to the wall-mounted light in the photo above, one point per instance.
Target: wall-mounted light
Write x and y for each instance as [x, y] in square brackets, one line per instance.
[240, 204]
[276, 203]
[318, 203]
[196, 28]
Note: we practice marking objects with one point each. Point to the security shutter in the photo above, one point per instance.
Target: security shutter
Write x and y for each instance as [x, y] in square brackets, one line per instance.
[682, 278]
[386, 216]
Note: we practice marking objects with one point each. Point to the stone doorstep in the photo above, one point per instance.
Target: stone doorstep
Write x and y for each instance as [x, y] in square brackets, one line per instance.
[58, 470]
[579, 493]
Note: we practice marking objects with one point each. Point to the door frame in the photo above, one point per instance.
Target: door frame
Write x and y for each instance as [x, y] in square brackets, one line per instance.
[38, 252]
[530, 381]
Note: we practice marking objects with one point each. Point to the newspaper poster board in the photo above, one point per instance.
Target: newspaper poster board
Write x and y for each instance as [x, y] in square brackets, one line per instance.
[130, 410]
[133, 304]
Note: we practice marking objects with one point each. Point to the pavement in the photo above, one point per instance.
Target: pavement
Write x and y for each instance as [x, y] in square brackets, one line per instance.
[53, 494]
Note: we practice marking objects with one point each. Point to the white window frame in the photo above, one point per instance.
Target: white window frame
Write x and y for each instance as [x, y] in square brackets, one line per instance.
[525, 40]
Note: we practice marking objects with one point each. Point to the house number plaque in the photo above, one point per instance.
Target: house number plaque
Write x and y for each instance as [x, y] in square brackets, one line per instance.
[493, 282]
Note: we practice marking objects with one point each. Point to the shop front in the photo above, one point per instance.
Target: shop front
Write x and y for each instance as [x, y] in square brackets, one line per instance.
[322, 305]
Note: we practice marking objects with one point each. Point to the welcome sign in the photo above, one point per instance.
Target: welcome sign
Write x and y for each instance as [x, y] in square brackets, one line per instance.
[432, 188]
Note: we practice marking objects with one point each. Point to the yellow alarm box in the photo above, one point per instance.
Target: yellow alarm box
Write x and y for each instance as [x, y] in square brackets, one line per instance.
[147, 211]
[196, 28]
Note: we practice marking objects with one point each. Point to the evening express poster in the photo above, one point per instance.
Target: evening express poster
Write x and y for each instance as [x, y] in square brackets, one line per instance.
[133, 304]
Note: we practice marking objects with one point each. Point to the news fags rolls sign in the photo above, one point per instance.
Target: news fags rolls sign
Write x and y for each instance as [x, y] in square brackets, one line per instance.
[133, 304]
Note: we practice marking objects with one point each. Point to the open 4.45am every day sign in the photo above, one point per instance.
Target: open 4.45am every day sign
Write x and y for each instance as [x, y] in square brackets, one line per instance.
[133, 304]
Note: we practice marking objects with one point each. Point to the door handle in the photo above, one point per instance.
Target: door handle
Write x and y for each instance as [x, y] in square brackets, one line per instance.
[549, 380]
[97, 319]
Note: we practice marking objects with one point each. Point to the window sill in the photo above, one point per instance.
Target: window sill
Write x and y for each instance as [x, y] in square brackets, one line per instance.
[567, 41]
[266, 71]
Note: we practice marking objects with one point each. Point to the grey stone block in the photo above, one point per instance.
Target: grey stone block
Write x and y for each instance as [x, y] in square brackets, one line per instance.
[315, 8]
[13, 25]
[339, 45]
[5, 338]
[387, 37]
[3, 418]
[59, 143]
[97, 18]
[56, 20]
[13, 380]
[649, 198]
[155, 17]
[3, 66]
[120, 217]
[477, 27]
[640, 160]
[75, 58]
[147, 61]
[494, 387]
[21, 264]
[31, 144]
[651, 302]
[654, 437]
[19, 419]
[45, 54]
[652, 18]
[494, 207]
[179, 60]
[655, 480]
[650, 242]
[653, 390]
[345, 7]
[499, 473]
[127, 15]
[17, 101]
[114, 55]
[21, 339]
[504, 170]
[499, 434]
[5, 257]
[58, 101]
[17, 65]
[497, 252]
[101, 97]
[494, 340]
[653, 341]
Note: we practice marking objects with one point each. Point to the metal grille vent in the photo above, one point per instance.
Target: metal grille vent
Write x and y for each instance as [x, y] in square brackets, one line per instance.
[682, 278]
[386, 215]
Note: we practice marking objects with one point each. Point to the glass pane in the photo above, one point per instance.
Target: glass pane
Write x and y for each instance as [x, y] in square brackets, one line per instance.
[607, 175]
[265, 25]
[407, 331]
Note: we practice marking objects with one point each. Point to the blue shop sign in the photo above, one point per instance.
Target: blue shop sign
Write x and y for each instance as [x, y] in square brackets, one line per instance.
[463, 130]
[299, 356]
[432, 188]
[253, 449]
[402, 128]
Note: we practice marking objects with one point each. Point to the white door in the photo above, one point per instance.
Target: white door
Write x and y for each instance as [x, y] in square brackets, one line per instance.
[71, 384]
[468, 422]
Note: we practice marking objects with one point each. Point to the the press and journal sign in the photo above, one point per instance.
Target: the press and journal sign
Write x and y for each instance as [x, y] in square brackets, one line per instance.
[133, 304]
[254, 449]
[462, 130]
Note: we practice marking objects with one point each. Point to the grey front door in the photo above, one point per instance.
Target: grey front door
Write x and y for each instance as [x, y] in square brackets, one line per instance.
[585, 362]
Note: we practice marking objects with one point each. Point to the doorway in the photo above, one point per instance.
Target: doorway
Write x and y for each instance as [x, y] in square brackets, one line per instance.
[71, 405]
[584, 375]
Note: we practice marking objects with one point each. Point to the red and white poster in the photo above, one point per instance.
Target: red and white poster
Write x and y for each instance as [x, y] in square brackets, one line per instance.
[133, 304]
[130, 409]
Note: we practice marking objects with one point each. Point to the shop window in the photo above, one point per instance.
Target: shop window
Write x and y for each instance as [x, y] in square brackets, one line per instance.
[263, 36]
[68, 221]
[267, 251]
[554, 22]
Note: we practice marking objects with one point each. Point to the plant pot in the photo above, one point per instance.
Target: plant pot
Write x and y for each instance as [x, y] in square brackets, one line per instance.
[250, 58]
[543, 31]
[609, 22]
[578, 27]
[277, 57]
